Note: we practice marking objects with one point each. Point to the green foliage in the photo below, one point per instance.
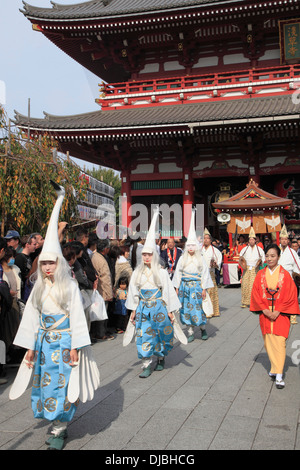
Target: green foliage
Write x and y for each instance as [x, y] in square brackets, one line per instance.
[26, 194]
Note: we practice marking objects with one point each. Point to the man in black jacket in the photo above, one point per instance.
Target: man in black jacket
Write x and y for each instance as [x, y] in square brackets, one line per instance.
[170, 256]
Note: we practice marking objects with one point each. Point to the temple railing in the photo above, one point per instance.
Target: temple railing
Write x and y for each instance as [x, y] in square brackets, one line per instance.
[204, 86]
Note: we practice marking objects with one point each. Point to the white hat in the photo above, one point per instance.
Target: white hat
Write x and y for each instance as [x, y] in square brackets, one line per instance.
[284, 232]
[51, 248]
[150, 243]
[252, 233]
[192, 236]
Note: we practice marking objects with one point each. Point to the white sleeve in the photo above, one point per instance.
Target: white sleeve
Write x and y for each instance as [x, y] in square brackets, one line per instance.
[168, 292]
[78, 323]
[178, 274]
[206, 280]
[133, 294]
[29, 326]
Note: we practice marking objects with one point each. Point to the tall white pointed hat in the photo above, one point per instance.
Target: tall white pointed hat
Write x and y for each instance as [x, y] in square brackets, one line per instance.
[284, 232]
[150, 243]
[51, 248]
[192, 236]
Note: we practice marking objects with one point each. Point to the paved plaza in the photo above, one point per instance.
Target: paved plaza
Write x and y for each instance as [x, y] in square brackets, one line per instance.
[212, 395]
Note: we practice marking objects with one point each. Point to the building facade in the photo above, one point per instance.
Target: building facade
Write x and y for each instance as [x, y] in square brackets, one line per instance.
[193, 94]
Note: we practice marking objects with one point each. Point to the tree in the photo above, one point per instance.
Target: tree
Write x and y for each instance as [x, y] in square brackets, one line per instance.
[26, 168]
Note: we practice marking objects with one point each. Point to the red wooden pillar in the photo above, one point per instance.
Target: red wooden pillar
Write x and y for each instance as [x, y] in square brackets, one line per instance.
[126, 199]
[188, 199]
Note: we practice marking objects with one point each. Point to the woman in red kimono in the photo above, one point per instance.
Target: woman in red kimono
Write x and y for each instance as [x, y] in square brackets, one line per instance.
[274, 297]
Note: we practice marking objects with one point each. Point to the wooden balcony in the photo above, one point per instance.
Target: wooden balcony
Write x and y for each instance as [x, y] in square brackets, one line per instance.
[234, 84]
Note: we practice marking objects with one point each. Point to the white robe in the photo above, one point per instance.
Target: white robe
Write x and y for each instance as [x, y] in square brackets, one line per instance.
[147, 282]
[192, 268]
[30, 324]
[252, 255]
[289, 260]
[212, 253]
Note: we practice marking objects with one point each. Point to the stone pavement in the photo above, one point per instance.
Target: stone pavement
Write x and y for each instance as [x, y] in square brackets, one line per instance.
[213, 395]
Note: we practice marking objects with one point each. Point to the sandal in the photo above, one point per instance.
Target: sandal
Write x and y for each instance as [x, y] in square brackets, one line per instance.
[57, 442]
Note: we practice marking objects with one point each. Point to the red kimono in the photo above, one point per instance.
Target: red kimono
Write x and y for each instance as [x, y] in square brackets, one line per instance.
[285, 302]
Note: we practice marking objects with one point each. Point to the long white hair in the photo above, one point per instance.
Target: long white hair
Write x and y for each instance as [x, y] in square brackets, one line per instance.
[155, 267]
[61, 286]
[197, 256]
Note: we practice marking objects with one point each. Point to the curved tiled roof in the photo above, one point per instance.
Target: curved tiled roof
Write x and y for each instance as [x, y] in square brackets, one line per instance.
[220, 113]
[102, 8]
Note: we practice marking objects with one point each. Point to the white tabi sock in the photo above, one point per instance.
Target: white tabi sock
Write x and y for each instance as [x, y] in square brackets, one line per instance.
[58, 427]
[190, 330]
[146, 363]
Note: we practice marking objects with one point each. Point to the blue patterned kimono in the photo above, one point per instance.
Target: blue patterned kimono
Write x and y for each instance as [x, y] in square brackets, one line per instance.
[190, 296]
[52, 370]
[154, 329]
[52, 333]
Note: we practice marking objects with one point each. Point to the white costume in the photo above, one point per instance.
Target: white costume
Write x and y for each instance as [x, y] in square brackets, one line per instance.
[152, 297]
[252, 254]
[168, 293]
[289, 260]
[190, 278]
[212, 254]
[52, 325]
[191, 267]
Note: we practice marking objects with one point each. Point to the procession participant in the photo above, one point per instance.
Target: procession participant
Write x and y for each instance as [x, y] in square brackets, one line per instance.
[251, 257]
[191, 279]
[289, 259]
[170, 256]
[241, 243]
[53, 328]
[152, 299]
[213, 258]
[274, 298]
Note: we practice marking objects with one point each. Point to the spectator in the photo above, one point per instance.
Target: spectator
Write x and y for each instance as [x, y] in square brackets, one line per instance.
[121, 312]
[92, 244]
[170, 256]
[39, 245]
[267, 242]
[13, 240]
[136, 253]
[11, 274]
[122, 267]
[105, 288]
[82, 236]
[294, 245]
[5, 305]
[71, 252]
[23, 259]
[162, 246]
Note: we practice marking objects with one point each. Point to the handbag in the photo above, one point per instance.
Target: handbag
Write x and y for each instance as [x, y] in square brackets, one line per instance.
[97, 310]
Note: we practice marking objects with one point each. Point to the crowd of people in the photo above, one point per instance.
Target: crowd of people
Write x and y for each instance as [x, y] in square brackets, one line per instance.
[143, 283]
[107, 265]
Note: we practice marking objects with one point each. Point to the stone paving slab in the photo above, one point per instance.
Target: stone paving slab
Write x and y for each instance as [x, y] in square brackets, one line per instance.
[212, 395]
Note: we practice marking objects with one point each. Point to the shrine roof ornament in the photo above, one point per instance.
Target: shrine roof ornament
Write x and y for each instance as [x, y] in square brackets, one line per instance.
[253, 198]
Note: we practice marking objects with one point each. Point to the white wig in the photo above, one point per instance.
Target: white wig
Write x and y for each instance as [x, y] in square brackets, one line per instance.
[155, 267]
[60, 291]
[197, 256]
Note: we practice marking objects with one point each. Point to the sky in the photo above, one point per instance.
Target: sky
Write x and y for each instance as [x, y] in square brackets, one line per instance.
[32, 67]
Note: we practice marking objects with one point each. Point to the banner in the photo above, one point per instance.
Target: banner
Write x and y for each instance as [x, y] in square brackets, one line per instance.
[230, 274]
[289, 34]
[259, 224]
